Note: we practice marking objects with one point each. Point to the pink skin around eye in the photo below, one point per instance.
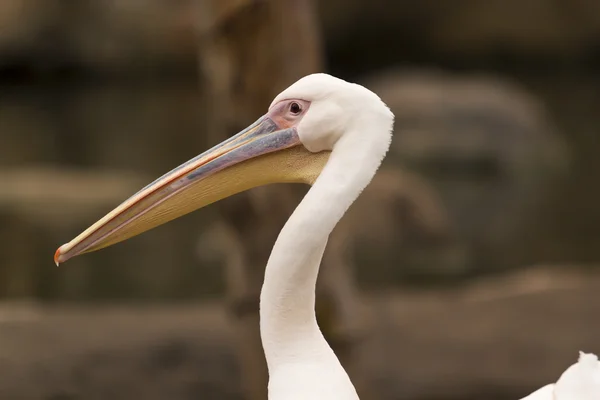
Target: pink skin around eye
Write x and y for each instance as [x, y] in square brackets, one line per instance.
[283, 116]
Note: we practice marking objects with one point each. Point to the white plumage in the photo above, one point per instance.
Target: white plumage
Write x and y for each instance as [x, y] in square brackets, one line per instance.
[581, 381]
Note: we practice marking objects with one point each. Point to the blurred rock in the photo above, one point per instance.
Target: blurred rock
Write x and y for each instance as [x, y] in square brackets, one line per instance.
[492, 339]
[35, 202]
[112, 139]
[143, 36]
[27, 134]
[108, 36]
[23, 27]
[115, 34]
[48, 194]
[465, 28]
[485, 144]
[397, 228]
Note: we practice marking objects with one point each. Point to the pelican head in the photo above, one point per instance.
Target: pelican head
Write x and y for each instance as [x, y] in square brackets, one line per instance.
[290, 143]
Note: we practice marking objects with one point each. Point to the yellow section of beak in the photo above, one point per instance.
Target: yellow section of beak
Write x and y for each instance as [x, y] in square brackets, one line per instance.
[294, 165]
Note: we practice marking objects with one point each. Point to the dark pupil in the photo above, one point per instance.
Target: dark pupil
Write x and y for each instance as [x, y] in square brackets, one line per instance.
[295, 108]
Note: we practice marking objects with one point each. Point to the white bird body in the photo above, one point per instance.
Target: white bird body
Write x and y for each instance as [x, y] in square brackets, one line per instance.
[322, 131]
[545, 393]
[581, 381]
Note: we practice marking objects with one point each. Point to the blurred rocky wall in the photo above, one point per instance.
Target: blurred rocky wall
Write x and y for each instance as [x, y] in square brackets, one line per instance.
[111, 37]
[496, 107]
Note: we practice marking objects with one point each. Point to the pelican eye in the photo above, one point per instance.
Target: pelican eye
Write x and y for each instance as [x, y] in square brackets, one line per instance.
[295, 108]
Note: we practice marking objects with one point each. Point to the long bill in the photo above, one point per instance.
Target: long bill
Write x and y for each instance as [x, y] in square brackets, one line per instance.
[261, 154]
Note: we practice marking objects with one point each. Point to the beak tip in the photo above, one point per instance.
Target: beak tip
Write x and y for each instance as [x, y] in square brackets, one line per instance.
[59, 256]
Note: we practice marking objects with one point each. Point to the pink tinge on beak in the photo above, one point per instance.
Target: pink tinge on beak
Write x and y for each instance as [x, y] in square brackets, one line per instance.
[57, 256]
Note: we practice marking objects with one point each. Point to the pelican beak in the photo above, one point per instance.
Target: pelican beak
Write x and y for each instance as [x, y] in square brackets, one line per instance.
[261, 154]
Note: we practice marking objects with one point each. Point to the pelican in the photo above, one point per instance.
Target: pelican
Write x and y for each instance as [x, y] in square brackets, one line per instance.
[321, 131]
[581, 381]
